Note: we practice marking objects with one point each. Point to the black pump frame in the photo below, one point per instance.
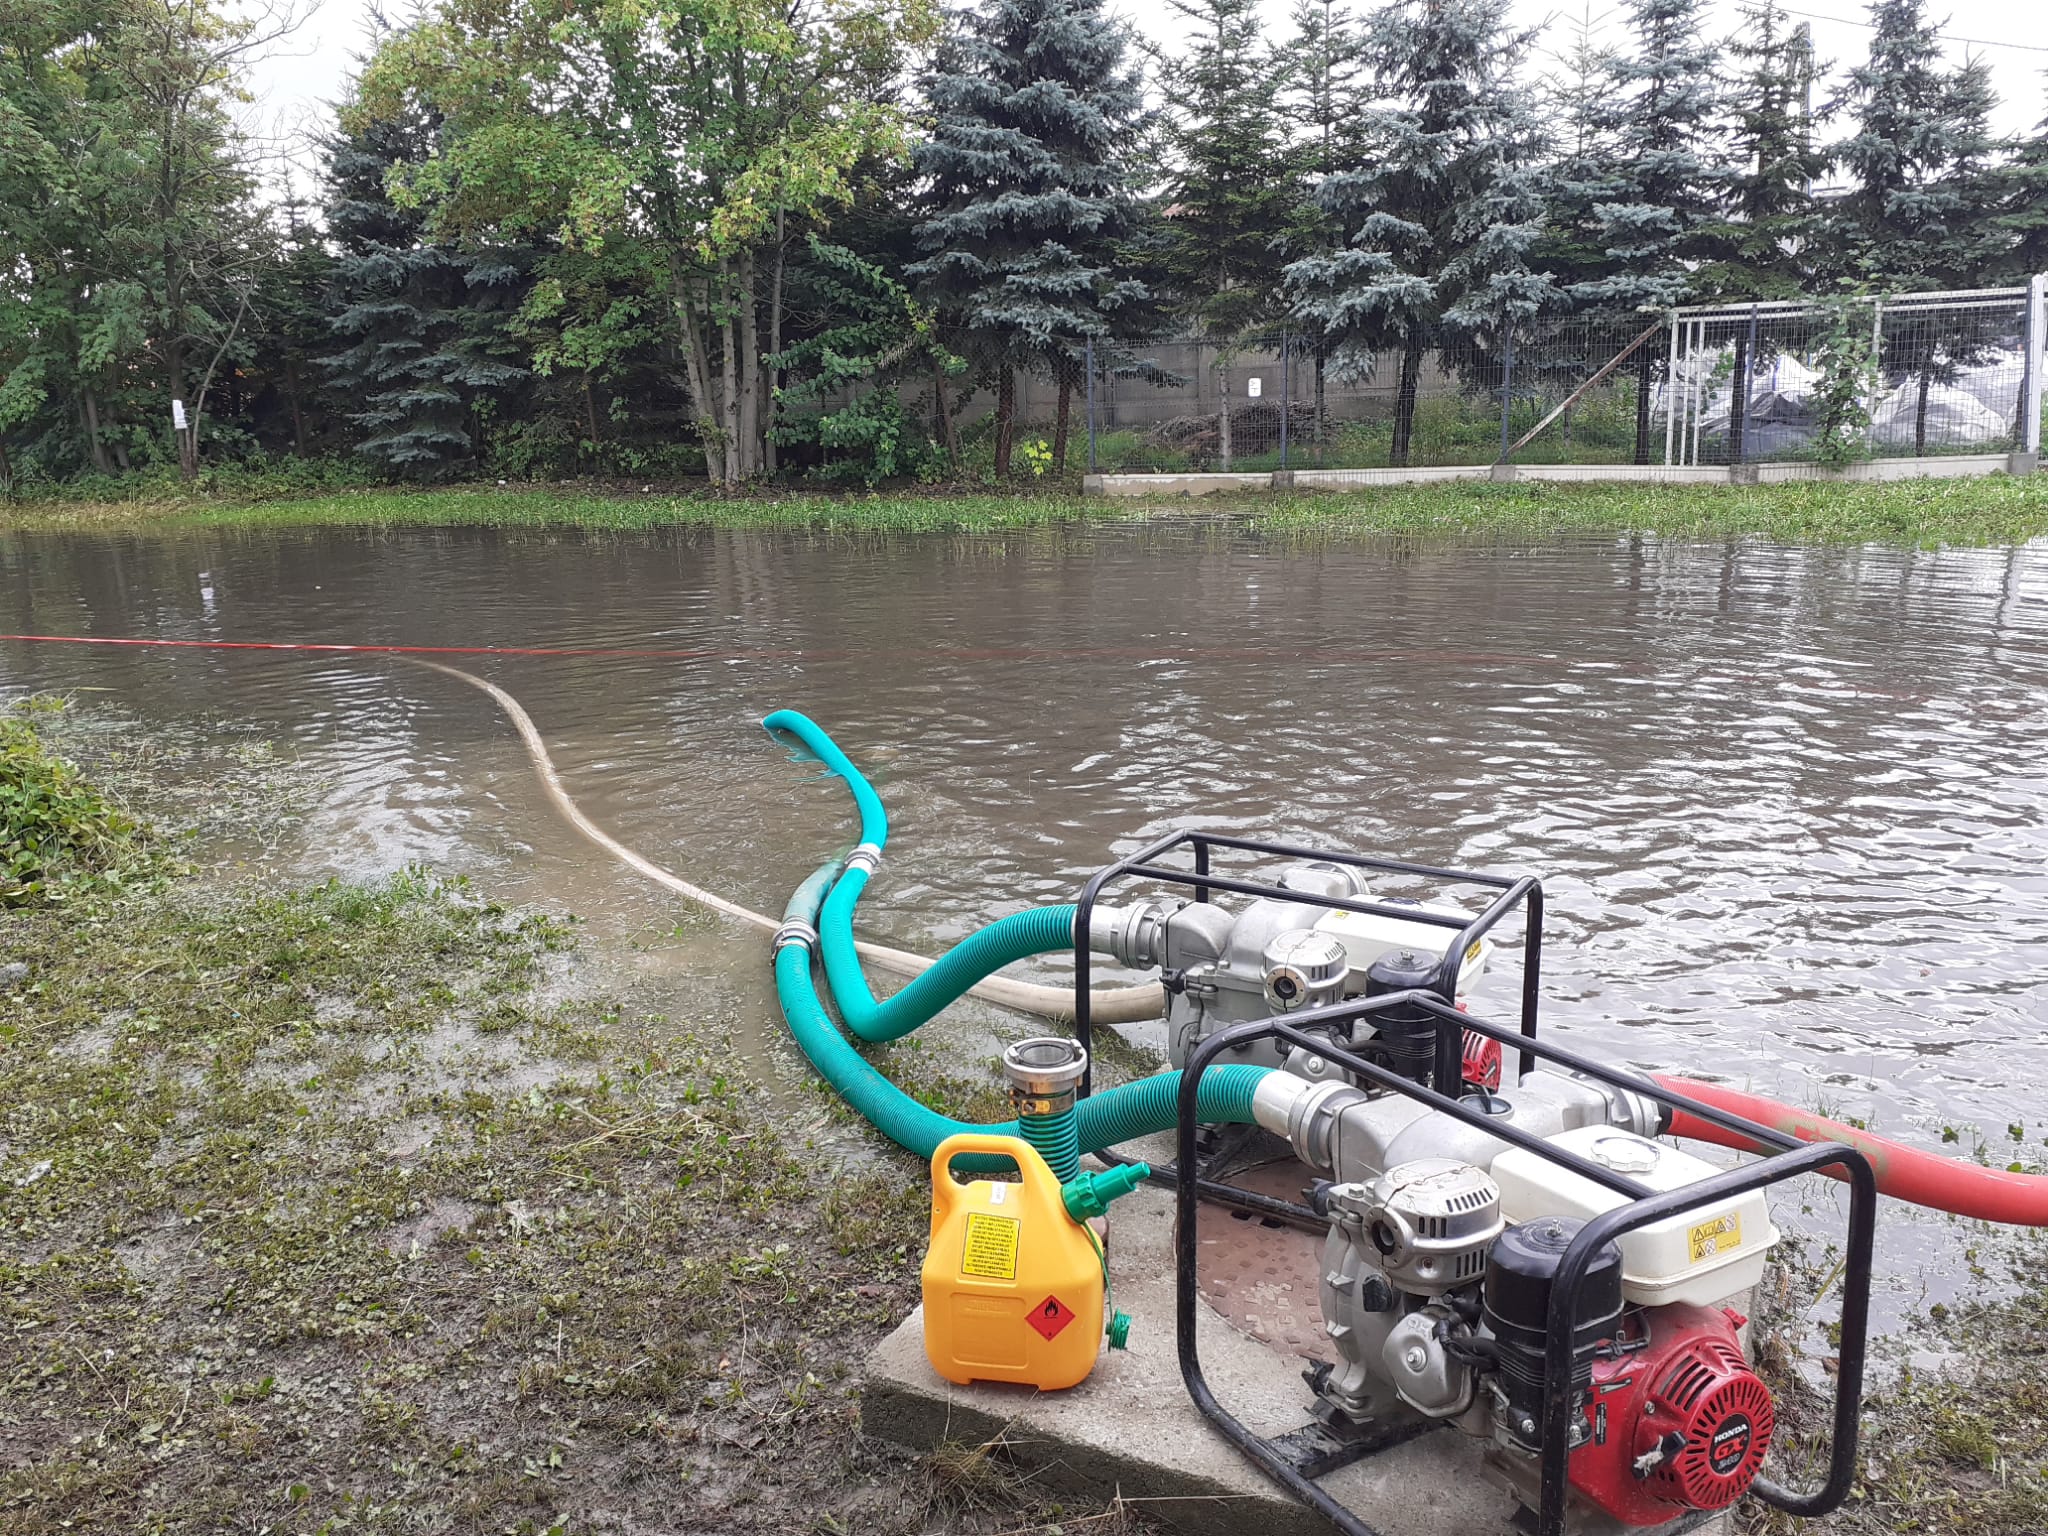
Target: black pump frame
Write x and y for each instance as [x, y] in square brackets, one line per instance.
[1788, 1159]
[1512, 892]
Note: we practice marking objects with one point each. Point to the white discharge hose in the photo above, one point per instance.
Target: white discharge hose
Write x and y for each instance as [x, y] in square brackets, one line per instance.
[1120, 1005]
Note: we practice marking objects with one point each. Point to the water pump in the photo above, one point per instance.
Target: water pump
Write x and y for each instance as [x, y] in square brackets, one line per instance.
[1507, 1247]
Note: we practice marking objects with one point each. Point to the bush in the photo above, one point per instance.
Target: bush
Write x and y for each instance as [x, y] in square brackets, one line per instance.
[57, 832]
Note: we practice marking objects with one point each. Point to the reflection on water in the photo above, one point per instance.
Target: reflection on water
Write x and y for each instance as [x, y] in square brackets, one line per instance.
[1788, 804]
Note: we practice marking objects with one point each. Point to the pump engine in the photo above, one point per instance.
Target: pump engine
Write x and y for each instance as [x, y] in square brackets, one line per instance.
[1437, 1273]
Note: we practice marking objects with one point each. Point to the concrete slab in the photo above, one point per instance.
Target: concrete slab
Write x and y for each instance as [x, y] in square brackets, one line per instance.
[1182, 485]
[1130, 1430]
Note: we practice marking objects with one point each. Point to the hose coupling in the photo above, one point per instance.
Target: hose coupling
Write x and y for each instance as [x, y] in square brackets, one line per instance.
[1045, 1075]
[866, 856]
[796, 931]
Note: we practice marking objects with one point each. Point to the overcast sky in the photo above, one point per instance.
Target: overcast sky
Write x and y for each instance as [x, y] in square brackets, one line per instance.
[294, 87]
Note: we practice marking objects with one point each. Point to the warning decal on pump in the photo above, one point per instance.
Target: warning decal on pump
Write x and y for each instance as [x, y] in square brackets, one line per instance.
[991, 1247]
[1050, 1316]
[1717, 1236]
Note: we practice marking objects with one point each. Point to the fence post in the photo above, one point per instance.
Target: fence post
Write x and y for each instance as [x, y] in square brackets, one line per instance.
[2037, 354]
[1286, 389]
[1671, 392]
[1088, 362]
[1507, 389]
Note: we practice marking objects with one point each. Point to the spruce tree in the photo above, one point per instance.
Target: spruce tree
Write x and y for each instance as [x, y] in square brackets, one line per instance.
[1035, 105]
[1776, 160]
[1232, 191]
[1229, 195]
[1920, 213]
[423, 326]
[1659, 206]
[1917, 159]
[1443, 215]
[1325, 88]
[2023, 214]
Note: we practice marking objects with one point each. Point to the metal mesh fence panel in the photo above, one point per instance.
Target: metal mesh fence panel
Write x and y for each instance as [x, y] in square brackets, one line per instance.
[1921, 375]
[1916, 376]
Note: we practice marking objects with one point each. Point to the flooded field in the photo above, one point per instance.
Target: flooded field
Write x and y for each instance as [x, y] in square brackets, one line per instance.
[1790, 806]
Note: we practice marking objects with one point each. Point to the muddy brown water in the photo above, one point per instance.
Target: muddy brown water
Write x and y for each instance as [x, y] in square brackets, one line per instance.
[1788, 804]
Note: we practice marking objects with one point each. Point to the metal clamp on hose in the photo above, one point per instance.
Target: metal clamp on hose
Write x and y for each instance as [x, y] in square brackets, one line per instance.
[866, 856]
[796, 931]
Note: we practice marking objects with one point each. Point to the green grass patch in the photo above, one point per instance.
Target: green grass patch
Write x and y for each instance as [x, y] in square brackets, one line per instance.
[355, 1208]
[1993, 509]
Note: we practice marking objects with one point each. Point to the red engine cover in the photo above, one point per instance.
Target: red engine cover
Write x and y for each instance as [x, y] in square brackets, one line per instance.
[1681, 1424]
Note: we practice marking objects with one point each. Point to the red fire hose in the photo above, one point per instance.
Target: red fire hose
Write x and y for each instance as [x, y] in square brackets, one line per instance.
[1904, 1173]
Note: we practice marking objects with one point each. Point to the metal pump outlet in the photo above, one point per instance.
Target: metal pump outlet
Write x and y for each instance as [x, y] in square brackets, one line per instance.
[1278, 954]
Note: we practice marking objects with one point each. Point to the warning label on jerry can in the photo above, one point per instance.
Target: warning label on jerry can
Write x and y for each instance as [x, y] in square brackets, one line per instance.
[1050, 1316]
[991, 1249]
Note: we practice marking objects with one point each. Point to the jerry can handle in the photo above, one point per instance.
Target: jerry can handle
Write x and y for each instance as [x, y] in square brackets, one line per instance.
[1015, 1148]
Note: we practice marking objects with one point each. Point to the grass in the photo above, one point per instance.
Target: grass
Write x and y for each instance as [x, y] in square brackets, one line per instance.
[1994, 509]
[355, 1208]
[1961, 1448]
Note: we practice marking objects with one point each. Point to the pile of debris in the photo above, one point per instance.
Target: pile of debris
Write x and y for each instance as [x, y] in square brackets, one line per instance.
[1254, 429]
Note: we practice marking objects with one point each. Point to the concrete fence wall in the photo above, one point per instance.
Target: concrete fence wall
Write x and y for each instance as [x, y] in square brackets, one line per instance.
[1945, 467]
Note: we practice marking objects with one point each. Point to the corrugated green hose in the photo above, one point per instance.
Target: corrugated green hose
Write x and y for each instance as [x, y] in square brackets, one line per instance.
[1113, 1116]
[1017, 937]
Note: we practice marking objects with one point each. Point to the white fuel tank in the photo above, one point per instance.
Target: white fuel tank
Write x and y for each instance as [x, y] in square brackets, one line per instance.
[1700, 1256]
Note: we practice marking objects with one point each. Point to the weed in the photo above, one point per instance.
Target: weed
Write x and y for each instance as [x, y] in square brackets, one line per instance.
[58, 833]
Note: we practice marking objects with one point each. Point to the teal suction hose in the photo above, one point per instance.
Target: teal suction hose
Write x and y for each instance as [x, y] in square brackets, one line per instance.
[1103, 1120]
[982, 954]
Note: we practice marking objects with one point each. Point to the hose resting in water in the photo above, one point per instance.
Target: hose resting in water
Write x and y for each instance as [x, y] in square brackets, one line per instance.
[1111, 1007]
[1022, 934]
[1103, 1120]
[1903, 1172]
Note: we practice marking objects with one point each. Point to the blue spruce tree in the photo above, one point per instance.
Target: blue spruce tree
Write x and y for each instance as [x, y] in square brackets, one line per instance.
[425, 349]
[1659, 209]
[1445, 210]
[1035, 105]
[2024, 215]
[1921, 212]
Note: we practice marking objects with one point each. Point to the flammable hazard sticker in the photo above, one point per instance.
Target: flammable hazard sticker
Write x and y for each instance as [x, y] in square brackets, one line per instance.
[991, 1251]
[1050, 1316]
[1717, 1236]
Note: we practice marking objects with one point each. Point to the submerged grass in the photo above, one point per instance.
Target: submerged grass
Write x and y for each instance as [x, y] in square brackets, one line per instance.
[348, 1208]
[1993, 509]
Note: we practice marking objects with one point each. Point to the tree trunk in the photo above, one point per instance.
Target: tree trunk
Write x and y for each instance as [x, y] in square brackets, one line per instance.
[1404, 405]
[1059, 431]
[1321, 403]
[690, 323]
[1006, 419]
[749, 425]
[291, 379]
[1920, 414]
[6, 472]
[1646, 364]
[729, 392]
[1738, 401]
[771, 377]
[947, 433]
[590, 409]
[1223, 419]
[89, 412]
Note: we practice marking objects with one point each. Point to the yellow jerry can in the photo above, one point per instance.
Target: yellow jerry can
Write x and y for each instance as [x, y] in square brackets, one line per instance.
[1012, 1284]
